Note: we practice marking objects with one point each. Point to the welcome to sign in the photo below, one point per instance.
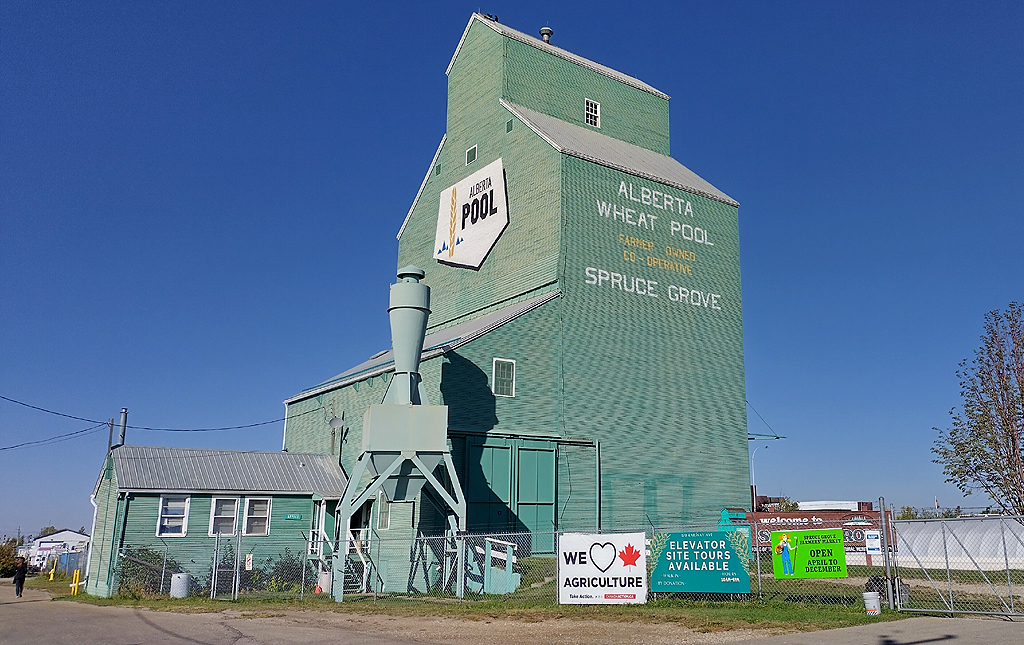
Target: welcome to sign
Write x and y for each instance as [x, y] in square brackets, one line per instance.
[603, 569]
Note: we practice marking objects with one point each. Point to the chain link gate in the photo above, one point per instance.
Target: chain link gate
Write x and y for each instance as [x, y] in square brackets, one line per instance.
[965, 565]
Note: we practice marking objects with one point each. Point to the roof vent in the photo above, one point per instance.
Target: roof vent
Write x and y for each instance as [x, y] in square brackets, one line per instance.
[546, 33]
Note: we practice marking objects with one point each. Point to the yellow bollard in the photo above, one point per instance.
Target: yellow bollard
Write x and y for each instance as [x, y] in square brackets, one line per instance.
[53, 569]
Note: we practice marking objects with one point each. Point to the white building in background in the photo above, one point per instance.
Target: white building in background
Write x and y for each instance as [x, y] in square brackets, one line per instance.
[41, 549]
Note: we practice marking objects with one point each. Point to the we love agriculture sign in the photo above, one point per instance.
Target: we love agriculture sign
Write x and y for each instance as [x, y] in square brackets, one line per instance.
[601, 569]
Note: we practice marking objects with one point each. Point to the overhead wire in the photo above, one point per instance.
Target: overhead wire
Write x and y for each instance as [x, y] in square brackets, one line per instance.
[55, 439]
[77, 418]
[753, 435]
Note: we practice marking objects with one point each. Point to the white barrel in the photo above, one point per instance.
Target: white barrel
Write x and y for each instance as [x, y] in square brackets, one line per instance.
[873, 603]
[181, 583]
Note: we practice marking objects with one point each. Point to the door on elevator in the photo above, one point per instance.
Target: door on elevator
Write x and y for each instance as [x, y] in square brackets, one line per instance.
[489, 485]
[511, 487]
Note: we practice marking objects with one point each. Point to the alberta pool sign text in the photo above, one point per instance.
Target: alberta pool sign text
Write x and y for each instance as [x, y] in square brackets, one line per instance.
[605, 569]
[471, 216]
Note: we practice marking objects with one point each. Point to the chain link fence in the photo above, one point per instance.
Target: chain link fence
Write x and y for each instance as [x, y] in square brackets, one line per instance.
[521, 568]
[226, 567]
[865, 573]
[961, 565]
[966, 565]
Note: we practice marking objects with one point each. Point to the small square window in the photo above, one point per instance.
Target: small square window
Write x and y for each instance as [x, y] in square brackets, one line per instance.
[592, 113]
[508, 126]
[437, 170]
[471, 155]
[503, 377]
[173, 519]
[223, 515]
[257, 516]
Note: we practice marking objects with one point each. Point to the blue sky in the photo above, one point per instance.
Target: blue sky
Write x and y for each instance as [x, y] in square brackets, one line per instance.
[199, 202]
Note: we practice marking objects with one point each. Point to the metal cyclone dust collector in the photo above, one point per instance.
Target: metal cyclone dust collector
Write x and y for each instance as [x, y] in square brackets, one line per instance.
[408, 309]
[404, 437]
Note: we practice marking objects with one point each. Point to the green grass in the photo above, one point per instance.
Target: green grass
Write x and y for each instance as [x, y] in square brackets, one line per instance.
[527, 604]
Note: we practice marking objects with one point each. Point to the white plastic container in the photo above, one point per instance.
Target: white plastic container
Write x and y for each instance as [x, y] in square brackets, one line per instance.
[873, 603]
[181, 583]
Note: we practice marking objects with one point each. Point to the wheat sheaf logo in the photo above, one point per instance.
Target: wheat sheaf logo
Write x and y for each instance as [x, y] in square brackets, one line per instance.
[451, 228]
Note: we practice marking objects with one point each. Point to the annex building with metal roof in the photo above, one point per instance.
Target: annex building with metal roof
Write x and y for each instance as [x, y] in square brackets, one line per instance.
[183, 502]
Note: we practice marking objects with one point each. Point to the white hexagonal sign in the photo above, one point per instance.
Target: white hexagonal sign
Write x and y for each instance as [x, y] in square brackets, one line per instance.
[471, 217]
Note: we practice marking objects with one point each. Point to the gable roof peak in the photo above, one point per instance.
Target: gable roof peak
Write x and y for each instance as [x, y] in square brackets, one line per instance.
[544, 46]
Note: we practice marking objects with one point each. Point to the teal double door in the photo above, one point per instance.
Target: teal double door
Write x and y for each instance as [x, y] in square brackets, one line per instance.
[510, 486]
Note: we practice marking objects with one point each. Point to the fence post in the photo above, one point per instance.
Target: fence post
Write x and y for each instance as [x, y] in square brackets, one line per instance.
[163, 572]
[305, 556]
[238, 564]
[949, 577]
[213, 574]
[1006, 560]
[756, 540]
[885, 552]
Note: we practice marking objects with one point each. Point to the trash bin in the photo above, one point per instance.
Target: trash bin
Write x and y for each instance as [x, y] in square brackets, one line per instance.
[872, 603]
[181, 584]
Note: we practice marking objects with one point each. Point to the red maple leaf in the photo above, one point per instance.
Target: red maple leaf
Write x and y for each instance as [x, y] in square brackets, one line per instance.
[629, 556]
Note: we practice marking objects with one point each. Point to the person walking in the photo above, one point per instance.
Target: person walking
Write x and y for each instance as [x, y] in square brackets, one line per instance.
[20, 571]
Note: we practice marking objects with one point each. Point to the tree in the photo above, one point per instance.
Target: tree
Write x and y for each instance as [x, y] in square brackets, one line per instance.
[47, 530]
[982, 451]
[7, 552]
[788, 505]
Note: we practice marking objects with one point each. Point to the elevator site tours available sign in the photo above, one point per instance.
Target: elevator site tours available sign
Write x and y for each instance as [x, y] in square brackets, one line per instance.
[701, 562]
[603, 569]
[471, 217]
[809, 554]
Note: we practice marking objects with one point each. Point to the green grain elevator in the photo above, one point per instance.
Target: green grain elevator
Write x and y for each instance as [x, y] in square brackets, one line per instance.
[586, 326]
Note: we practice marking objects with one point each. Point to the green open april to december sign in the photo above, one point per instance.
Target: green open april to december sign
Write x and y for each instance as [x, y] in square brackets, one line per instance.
[809, 554]
[701, 562]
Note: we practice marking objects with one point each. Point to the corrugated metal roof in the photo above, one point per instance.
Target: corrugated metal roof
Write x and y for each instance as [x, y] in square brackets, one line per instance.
[601, 149]
[556, 51]
[140, 468]
[434, 344]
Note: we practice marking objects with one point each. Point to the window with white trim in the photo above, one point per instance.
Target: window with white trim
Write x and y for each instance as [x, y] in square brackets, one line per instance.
[257, 516]
[223, 515]
[503, 377]
[592, 113]
[471, 155]
[172, 520]
[383, 512]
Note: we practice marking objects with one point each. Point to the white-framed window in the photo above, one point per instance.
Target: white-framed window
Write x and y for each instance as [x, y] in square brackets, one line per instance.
[383, 512]
[223, 515]
[471, 155]
[592, 113]
[503, 377]
[257, 516]
[172, 518]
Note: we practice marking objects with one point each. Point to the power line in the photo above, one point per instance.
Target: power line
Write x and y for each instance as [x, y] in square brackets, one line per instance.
[55, 439]
[754, 435]
[241, 427]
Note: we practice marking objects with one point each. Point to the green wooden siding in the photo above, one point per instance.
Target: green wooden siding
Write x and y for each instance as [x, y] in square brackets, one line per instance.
[102, 546]
[524, 260]
[644, 372]
[195, 550]
[658, 382]
[554, 86]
